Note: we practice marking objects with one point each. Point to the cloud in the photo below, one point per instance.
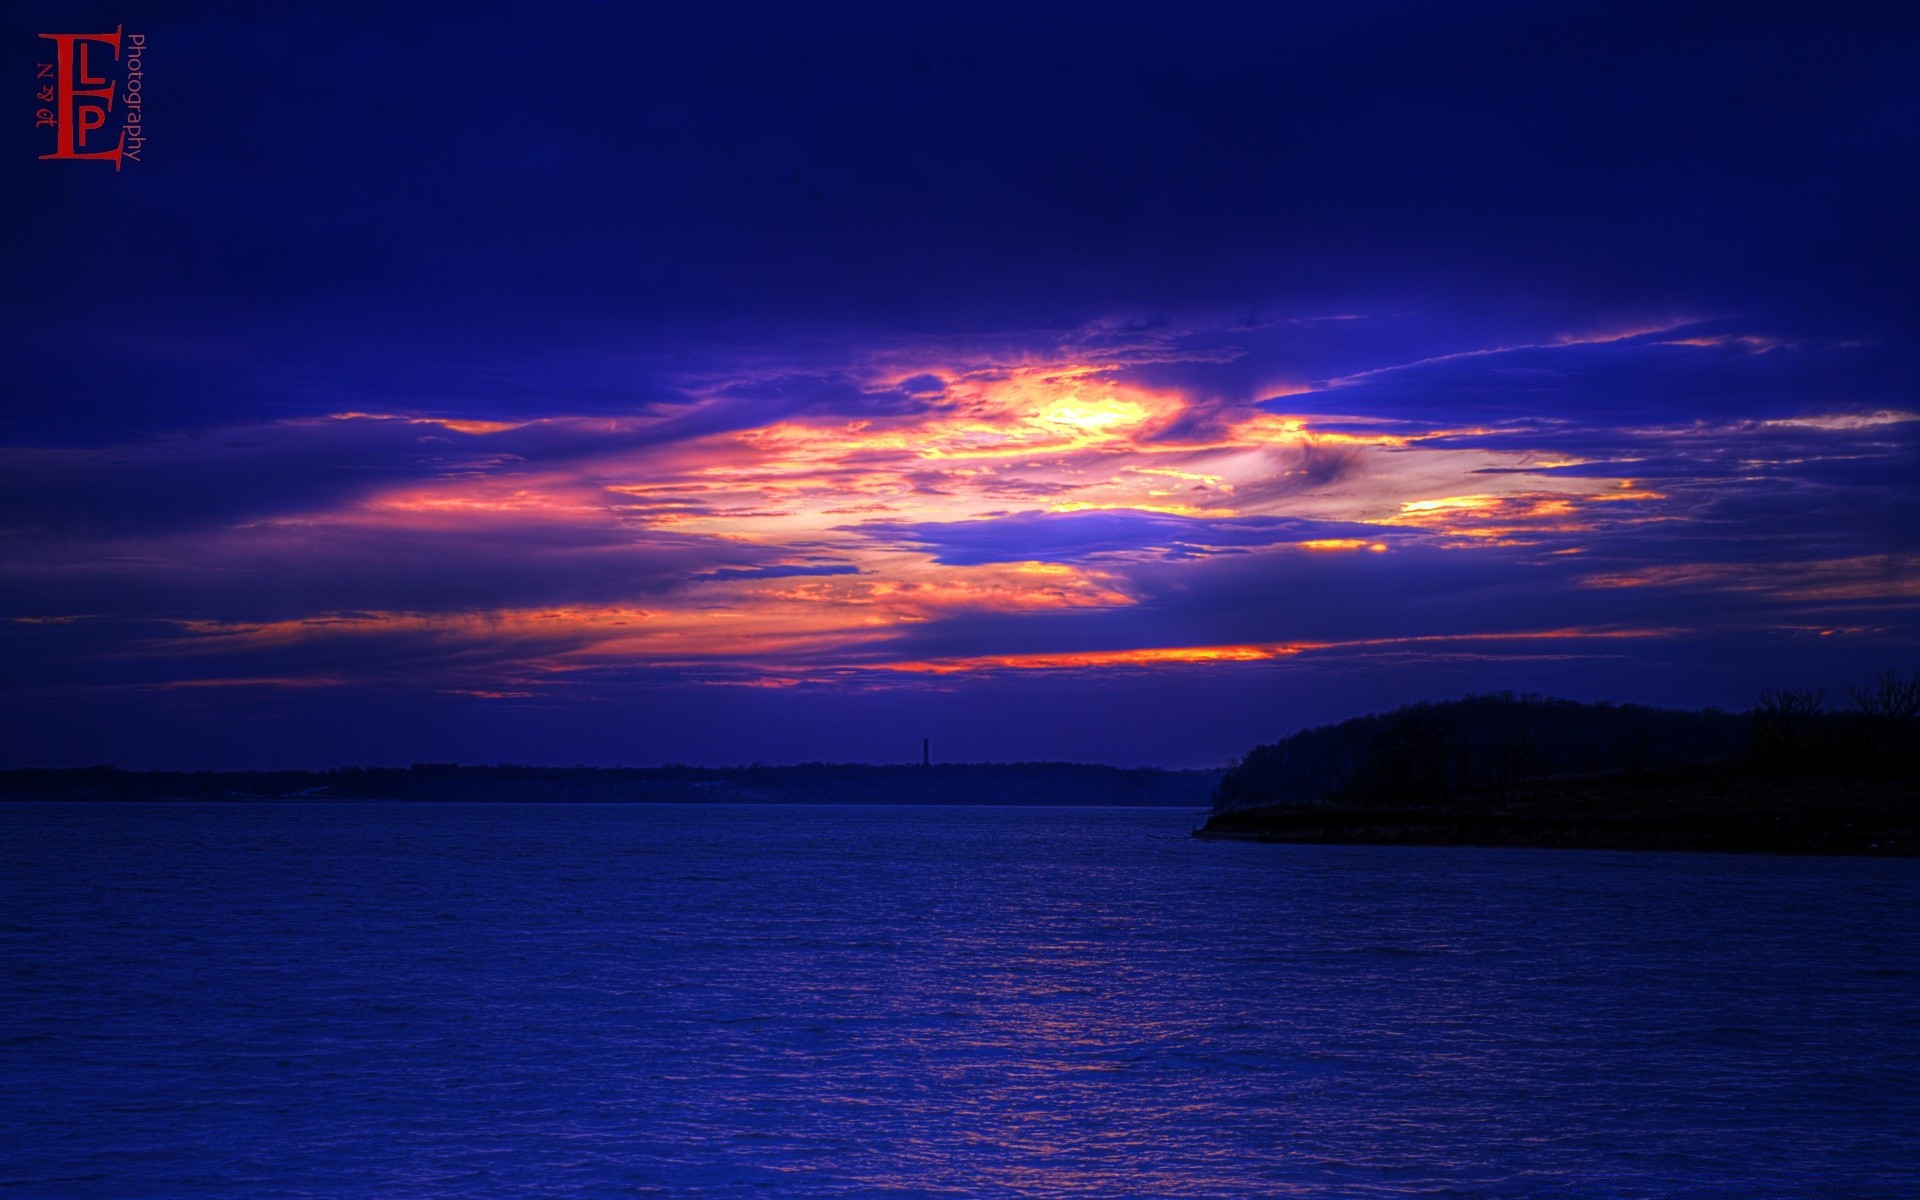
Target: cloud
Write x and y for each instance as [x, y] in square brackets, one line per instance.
[1083, 536]
[931, 517]
[1713, 371]
[780, 571]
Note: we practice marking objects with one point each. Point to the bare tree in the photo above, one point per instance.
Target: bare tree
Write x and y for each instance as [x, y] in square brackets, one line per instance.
[1887, 716]
[1890, 698]
[1784, 726]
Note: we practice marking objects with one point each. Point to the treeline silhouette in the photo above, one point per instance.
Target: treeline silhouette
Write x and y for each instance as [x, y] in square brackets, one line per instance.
[843, 783]
[1493, 743]
[1793, 730]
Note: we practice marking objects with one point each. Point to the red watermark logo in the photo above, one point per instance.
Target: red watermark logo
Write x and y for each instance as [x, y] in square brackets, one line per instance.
[78, 90]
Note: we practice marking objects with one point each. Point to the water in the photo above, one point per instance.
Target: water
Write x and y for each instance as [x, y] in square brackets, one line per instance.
[505, 1000]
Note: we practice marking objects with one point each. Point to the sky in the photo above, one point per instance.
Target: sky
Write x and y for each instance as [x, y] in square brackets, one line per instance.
[728, 383]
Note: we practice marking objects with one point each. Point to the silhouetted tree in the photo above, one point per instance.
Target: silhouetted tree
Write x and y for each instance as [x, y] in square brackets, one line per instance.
[1485, 743]
[1888, 712]
[1787, 728]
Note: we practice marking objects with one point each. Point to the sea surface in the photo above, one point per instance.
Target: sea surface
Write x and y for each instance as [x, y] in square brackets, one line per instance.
[394, 1000]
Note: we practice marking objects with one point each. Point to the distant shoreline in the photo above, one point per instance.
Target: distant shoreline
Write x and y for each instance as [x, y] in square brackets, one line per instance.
[636, 803]
[976, 784]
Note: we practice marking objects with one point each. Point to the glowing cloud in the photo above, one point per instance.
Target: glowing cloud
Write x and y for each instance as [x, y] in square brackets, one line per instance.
[928, 490]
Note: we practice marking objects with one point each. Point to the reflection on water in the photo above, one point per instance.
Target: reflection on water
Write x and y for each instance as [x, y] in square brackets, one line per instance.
[262, 1001]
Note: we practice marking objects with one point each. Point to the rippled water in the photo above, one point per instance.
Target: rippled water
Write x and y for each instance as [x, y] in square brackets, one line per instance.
[492, 1000]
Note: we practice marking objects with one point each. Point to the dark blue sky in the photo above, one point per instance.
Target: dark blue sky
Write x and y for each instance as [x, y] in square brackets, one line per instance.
[722, 382]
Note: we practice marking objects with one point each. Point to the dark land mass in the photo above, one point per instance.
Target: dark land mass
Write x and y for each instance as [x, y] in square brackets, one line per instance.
[1789, 777]
[1829, 814]
[810, 783]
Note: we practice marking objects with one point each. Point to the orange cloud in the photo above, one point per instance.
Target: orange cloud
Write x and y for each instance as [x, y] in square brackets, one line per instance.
[1261, 652]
